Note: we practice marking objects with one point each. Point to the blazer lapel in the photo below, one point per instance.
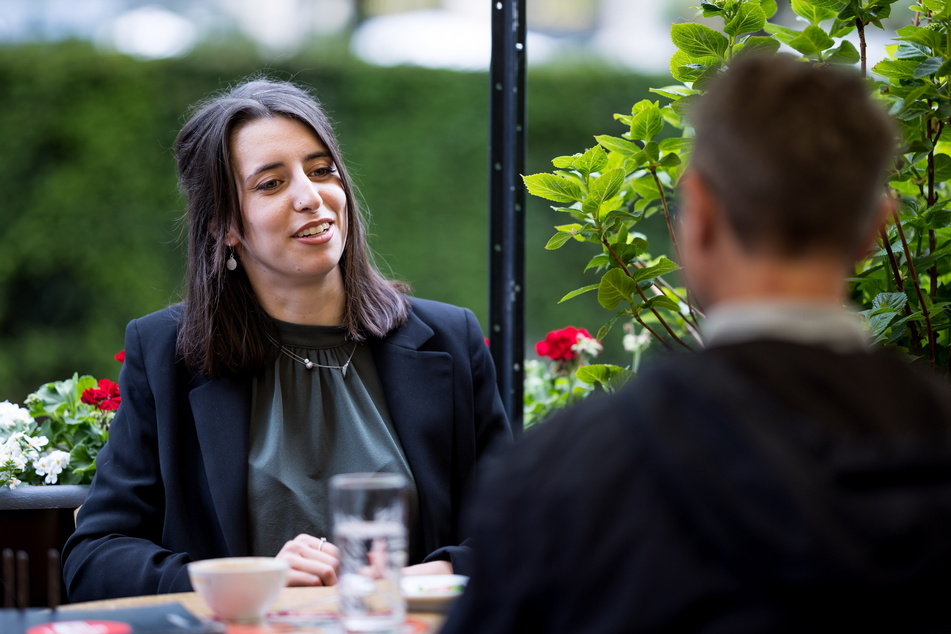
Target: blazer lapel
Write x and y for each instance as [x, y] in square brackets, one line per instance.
[418, 386]
[222, 411]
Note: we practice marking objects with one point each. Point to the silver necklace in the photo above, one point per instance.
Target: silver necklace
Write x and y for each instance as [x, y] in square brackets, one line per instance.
[310, 365]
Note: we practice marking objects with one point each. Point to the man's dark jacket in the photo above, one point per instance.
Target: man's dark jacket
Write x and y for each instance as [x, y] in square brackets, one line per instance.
[755, 487]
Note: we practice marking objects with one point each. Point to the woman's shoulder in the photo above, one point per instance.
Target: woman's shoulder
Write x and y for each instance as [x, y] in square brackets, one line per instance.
[441, 316]
[162, 324]
[429, 309]
[440, 324]
[158, 329]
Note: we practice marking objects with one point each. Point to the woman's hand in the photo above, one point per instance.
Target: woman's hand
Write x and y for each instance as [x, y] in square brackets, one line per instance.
[314, 561]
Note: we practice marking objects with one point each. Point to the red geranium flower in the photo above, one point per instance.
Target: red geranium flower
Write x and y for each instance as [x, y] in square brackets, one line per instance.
[105, 397]
[120, 356]
[557, 344]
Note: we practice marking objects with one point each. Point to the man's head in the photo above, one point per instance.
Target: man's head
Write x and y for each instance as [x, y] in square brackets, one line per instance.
[792, 158]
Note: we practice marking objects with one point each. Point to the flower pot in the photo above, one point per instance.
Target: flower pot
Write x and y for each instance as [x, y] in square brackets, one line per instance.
[35, 520]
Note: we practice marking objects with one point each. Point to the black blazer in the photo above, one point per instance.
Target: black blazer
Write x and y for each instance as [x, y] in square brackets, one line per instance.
[171, 484]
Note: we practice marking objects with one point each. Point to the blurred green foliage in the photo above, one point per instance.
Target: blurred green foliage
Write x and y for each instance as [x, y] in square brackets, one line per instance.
[89, 231]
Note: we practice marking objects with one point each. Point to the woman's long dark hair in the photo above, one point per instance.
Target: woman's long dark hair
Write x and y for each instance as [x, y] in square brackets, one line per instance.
[224, 328]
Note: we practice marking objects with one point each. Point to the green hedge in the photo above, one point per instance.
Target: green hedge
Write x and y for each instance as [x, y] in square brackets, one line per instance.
[90, 234]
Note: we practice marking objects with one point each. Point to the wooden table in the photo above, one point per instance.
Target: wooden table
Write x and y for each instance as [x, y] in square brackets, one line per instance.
[289, 599]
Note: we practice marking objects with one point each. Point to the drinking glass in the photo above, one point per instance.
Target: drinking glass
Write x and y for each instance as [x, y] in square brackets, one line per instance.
[369, 511]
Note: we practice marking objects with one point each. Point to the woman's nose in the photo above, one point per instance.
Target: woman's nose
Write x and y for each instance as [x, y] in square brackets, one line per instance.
[306, 195]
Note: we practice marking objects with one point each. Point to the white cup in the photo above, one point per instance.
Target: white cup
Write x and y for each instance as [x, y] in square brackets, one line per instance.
[238, 589]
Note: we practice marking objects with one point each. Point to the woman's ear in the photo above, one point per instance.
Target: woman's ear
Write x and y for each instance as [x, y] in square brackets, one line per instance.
[231, 237]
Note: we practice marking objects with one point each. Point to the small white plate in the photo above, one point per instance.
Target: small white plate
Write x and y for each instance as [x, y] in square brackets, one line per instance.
[431, 593]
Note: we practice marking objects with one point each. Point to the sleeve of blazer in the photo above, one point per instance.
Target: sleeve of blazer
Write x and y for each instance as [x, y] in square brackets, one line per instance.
[491, 423]
[114, 551]
[491, 430]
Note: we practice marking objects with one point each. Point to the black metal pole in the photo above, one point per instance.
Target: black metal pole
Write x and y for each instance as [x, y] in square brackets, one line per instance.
[507, 199]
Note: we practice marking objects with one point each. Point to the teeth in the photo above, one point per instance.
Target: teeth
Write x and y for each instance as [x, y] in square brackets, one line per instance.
[313, 231]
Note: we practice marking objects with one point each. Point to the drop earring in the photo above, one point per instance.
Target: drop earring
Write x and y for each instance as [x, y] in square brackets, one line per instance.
[231, 262]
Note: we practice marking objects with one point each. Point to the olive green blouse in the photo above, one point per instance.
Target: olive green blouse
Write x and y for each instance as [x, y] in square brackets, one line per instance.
[308, 425]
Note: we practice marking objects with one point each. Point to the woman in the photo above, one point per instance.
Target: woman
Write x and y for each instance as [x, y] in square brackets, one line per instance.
[292, 359]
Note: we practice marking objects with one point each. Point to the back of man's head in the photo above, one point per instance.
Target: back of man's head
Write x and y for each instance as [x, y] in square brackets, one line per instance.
[795, 153]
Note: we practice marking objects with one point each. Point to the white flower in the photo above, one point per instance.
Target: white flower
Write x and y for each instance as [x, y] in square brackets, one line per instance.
[51, 465]
[533, 375]
[20, 449]
[13, 460]
[30, 447]
[11, 452]
[587, 345]
[36, 442]
[60, 459]
[7, 449]
[13, 416]
[633, 343]
[629, 342]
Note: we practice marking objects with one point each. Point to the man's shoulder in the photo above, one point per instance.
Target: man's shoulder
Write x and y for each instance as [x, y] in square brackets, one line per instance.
[796, 358]
[805, 380]
[723, 385]
[847, 368]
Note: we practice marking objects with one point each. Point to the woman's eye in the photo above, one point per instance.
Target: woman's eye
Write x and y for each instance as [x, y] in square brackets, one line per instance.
[325, 171]
[267, 185]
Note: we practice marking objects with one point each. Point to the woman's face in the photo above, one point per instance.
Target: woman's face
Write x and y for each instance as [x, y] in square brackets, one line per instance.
[293, 207]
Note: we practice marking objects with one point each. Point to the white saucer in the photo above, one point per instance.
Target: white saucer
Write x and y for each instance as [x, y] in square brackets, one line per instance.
[431, 593]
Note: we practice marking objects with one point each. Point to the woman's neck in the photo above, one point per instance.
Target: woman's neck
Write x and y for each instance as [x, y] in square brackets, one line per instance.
[312, 305]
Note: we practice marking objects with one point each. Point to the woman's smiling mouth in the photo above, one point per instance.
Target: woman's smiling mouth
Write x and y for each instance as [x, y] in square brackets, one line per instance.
[314, 230]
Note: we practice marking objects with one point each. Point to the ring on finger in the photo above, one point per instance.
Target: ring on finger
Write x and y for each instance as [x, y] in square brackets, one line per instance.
[323, 540]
